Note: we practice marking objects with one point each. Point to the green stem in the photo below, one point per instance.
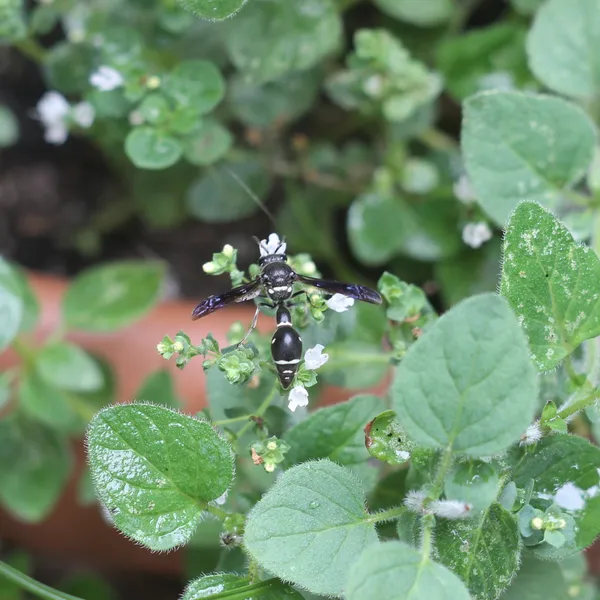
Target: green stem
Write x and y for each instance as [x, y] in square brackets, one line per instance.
[31, 49]
[260, 411]
[232, 420]
[386, 515]
[217, 512]
[438, 140]
[426, 539]
[578, 405]
[445, 463]
[571, 372]
[31, 585]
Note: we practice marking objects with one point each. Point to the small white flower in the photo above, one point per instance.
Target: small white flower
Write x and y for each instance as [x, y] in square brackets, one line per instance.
[136, 117]
[272, 245]
[106, 79]
[532, 434]
[83, 114]
[475, 234]
[222, 498]
[414, 500]
[464, 191]
[314, 358]
[339, 303]
[298, 397]
[52, 110]
[450, 509]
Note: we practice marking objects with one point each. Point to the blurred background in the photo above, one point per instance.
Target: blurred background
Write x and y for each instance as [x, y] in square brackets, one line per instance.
[350, 149]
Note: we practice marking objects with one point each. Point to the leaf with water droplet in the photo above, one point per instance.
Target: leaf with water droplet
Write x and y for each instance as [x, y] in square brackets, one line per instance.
[394, 570]
[111, 296]
[311, 547]
[155, 469]
[273, 37]
[551, 282]
[545, 143]
[564, 466]
[563, 37]
[213, 10]
[467, 382]
[483, 551]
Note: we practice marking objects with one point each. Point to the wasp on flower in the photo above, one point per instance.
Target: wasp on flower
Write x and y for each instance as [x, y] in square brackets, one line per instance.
[275, 288]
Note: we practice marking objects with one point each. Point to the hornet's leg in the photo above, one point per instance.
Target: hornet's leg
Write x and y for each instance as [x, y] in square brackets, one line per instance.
[253, 325]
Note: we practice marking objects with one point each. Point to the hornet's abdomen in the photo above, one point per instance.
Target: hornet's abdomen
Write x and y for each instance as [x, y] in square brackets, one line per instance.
[286, 348]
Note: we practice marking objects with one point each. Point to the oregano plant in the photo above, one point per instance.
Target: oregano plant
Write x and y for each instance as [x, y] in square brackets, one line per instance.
[465, 464]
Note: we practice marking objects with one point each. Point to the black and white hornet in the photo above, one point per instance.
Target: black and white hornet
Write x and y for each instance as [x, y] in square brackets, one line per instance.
[275, 287]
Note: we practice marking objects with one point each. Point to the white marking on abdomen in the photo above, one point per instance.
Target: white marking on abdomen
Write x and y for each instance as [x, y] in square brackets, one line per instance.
[287, 371]
[294, 361]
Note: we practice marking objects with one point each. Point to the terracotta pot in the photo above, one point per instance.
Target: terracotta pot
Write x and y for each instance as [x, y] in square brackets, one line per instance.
[79, 532]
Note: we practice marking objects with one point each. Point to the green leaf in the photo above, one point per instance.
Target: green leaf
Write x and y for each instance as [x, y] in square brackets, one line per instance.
[149, 148]
[155, 469]
[526, 7]
[273, 37]
[196, 83]
[9, 127]
[562, 47]
[209, 142]
[551, 282]
[376, 227]
[471, 61]
[68, 66]
[68, 367]
[35, 463]
[417, 12]
[278, 101]
[475, 482]
[111, 296]
[310, 527]
[483, 552]
[11, 304]
[334, 432]
[545, 143]
[217, 585]
[31, 307]
[224, 193]
[560, 464]
[394, 570]
[44, 402]
[158, 388]
[467, 382]
[211, 10]
[537, 580]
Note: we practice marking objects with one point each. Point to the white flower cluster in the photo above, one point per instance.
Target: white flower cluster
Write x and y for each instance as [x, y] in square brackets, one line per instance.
[55, 113]
[313, 359]
[272, 245]
[476, 234]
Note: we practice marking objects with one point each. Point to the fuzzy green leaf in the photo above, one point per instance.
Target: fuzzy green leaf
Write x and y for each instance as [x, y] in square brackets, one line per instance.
[149, 148]
[273, 37]
[213, 10]
[483, 551]
[394, 570]
[544, 143]
[310, 527]
[155, 469]
[111, 296]
[473, 481]
[562, 47]
[219, 585]
[551, 282]
[334, 432]
[35, 463]
[467, 382]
